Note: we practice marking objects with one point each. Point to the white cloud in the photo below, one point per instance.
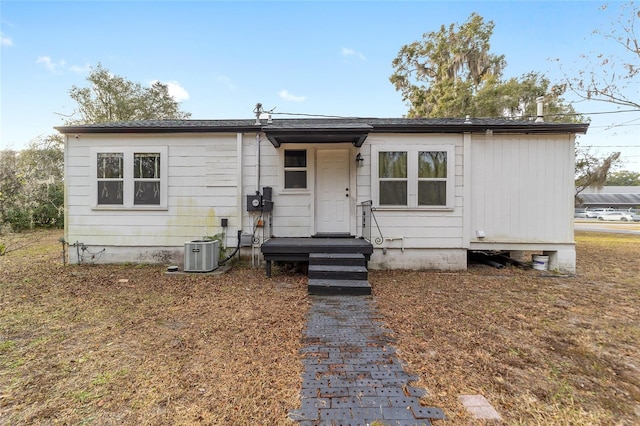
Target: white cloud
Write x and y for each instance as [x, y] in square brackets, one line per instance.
[61, 65]
[284, 94]
[5, 40]
[52, 66]
[350, 52]
[226, 81]
[176, 91]
[80, 69]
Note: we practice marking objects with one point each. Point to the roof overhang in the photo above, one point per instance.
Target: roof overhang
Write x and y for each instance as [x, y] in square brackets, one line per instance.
[353, 131]
[354, 134]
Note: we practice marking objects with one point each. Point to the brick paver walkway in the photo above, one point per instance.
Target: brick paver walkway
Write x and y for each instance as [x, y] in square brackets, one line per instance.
[352, 374]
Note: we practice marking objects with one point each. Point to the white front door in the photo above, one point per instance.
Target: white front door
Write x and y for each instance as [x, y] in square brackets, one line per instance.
[332, 191]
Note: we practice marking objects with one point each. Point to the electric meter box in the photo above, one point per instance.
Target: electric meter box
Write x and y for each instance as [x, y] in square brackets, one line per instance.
[254, 203]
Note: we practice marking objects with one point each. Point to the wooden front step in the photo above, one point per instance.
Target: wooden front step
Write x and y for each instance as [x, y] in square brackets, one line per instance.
[345, 259]
[338, 273]
[300, 249]
[338, 287]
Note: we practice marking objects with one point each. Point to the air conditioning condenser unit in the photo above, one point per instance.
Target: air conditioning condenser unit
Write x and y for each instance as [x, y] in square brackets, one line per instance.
[201, 255]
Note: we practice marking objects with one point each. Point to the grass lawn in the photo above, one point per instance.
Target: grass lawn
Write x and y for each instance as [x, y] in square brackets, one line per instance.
[126, 344]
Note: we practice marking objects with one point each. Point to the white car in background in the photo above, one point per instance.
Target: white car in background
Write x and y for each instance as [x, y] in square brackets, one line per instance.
[594, 213]
[625, 217]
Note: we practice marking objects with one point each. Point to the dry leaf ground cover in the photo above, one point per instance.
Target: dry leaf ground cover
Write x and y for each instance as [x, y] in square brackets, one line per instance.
[80, 346]
[542, 348]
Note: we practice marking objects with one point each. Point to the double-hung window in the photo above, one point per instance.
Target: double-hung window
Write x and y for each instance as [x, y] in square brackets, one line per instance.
[130, 178]
[110, 171]
[432, 178]
[146, 178]
[393, 178]
[295, 169]
[414, 176]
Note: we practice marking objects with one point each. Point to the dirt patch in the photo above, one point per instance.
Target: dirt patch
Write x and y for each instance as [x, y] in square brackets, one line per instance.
[125, 344]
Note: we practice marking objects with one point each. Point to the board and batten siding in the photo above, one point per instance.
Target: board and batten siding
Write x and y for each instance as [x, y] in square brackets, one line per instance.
[522, 189]
[202, 179]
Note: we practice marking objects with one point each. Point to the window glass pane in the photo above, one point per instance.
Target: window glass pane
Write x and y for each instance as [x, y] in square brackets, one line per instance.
[392, 165]
[432, 164]
[110, 165]
[295, 158]
[432, 193]
[295, 179]
[393, 193]
[147, 192]
[110, 192]
[146, 165]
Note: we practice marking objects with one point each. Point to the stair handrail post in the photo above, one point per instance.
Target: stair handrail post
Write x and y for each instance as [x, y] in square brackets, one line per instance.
[367, 210]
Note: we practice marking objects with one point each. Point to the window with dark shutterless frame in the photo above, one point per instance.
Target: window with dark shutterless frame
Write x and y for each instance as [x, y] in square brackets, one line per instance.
[110, 175]
[146, 177]
[295, 169]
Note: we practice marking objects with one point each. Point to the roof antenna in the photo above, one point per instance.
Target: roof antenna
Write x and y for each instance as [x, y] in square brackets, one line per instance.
[261, 113]
[258, 111]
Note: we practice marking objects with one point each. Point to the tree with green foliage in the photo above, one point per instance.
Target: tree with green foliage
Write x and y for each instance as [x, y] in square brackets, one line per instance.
[31, 185]
[453, 73]
[42, 163]
[623, 178]
[111, 98]
[10, 187]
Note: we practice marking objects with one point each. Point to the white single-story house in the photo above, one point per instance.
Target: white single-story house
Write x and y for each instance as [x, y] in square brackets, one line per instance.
[420, 192]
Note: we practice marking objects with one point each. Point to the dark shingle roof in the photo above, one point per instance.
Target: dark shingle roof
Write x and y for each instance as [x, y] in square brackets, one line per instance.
[369, 125]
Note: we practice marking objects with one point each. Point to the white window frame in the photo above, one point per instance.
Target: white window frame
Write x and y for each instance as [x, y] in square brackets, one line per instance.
[128, 180]
[412, 175]
[306, 169]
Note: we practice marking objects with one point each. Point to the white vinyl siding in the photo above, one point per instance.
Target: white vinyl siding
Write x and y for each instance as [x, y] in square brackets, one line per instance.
[192, 204]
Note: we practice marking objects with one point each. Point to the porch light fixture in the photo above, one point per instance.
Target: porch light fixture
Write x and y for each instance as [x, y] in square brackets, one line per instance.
[359, 160]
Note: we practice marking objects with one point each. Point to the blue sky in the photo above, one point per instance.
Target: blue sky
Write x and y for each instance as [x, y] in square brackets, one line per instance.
[328, 58]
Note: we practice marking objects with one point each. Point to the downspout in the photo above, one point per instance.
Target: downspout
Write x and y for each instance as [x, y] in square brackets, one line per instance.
[257, 161]
[258, 111]
[240, 168]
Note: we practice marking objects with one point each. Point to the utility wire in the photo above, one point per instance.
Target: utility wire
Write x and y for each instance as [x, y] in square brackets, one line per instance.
[311, 115]
[496, 117]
